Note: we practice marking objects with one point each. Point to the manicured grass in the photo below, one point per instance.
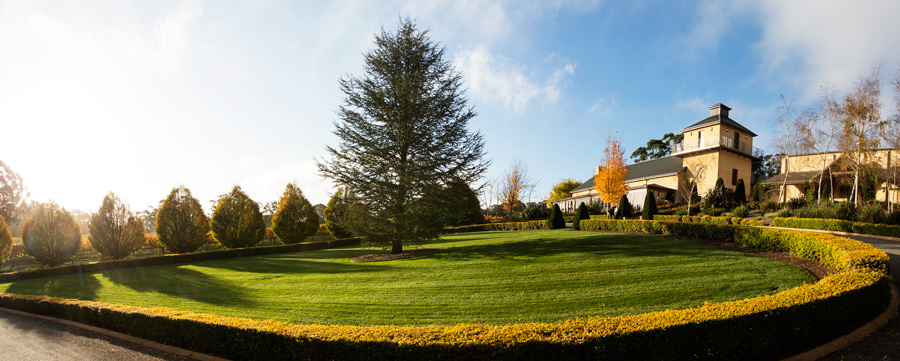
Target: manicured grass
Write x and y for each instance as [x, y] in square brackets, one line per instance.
[484, 277]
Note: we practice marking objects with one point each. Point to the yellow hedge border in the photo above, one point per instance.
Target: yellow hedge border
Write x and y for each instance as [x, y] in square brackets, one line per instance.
[757, 328]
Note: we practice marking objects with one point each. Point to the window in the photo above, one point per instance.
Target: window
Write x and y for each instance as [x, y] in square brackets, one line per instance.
[734, 177]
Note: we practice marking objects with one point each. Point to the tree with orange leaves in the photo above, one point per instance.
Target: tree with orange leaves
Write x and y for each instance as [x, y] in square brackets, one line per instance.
[610, 181]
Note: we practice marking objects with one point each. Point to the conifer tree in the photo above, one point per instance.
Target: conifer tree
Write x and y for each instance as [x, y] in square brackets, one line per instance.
[649, 209]
[580, 213]
[625, 209]
[740, 192]
[115, 231]
[462, 205]
[181, 225]
[556, 220]
[237, 221]
[403, 127]
[335, 212]
[296, 218]
[51, 236]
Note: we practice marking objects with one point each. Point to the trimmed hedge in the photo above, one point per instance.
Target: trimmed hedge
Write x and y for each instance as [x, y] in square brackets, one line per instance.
[505, 226]
[174, 259]
[839, 225]
[837, 253]
[767, 327]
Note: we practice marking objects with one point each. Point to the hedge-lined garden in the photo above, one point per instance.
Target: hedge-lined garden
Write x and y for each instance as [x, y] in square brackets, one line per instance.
[839, 225]
[767, 327]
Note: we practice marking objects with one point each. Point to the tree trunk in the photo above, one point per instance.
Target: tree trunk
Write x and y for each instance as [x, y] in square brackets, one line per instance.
[397, 246]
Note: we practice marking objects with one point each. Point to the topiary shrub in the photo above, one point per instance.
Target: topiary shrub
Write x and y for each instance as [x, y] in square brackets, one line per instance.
[181, 225]
[114, 231]
[740, 192]
[580, 213]
[336, 209]
[649, 209]
[720, 183]
[715, 212]
[51, 236]
[556, 220]
[237, 221]
[625, 209]
[296, 218]
[5, 240]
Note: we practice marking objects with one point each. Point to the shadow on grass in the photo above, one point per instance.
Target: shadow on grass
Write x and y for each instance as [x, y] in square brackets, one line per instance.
[184, 283]
[622, 245]
[78, 286]
[298, 263]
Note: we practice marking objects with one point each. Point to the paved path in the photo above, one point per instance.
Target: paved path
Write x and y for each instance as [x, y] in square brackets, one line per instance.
[883, 344]
[28, 338]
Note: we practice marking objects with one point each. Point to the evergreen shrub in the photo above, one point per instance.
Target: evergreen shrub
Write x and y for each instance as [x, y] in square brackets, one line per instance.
[580, 213]
[237, 221]
[115, 232]
[181, 225]
[649, 209]
[556, 220]
[625, 210]
[51, 236]
[296, 218]
[740, 192]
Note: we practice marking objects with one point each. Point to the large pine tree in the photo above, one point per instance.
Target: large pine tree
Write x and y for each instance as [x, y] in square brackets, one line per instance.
[402, 128]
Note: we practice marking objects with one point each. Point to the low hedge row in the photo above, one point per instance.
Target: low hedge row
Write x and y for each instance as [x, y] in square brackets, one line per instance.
[767, 327]
[175, 259]
[837, 253]
[505, 226]
[710, 219]
[839, 225]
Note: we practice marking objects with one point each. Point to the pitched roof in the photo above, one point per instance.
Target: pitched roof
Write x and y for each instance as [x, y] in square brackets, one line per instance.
[651, 168]
[718, 119]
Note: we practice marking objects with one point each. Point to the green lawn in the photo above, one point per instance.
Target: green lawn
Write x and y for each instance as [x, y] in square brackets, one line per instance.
[486, 277]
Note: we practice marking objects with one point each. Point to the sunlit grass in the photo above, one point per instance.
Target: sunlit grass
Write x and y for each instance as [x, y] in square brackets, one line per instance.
[486, 277]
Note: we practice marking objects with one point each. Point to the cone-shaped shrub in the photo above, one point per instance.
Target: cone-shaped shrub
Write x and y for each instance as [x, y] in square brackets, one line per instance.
[51, 236]
[740, 192]
[181, 225]
[556, 220]
[5, 240]
[580, 213]
[720, 183]
[295, 219]
[649, 207]
[115, 231]
[335, 212]
[625, 209]
[237, 221]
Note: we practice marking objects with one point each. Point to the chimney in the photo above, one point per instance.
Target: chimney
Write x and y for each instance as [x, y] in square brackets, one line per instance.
[719, 109]
[597, 170]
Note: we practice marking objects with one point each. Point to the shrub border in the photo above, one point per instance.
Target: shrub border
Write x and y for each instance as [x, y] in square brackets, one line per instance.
[764, 327]
[839, 225]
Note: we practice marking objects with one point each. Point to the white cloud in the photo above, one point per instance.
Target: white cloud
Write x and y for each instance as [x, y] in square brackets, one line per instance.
[810, 42]
[694, 104]
[603, 107]
[498, 79]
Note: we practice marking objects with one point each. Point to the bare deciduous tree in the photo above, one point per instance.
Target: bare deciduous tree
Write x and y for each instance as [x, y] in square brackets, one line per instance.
[861, 124]
[787, 138]
[818, 129]
[514, 185]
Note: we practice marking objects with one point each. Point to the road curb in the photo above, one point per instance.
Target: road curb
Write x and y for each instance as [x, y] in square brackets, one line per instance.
[139, 341]
[856, 335]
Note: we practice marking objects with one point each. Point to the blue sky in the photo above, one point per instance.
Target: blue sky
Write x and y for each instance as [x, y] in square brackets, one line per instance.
[139, 97]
